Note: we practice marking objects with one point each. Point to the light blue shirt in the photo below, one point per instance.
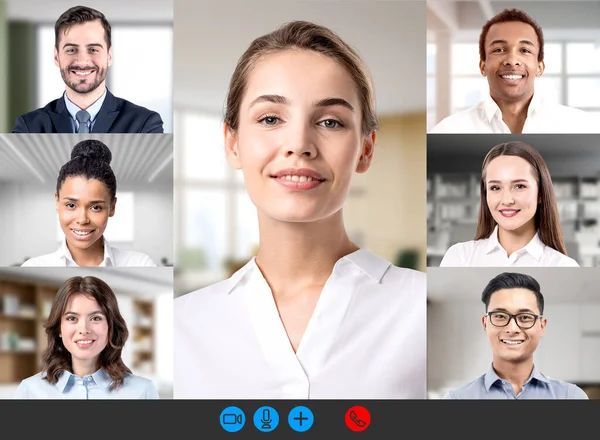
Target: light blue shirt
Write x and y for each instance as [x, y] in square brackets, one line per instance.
[538, 386]
[94, 386]
[92, 110]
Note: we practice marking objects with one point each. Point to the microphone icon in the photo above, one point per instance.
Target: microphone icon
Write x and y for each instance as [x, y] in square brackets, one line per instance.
[266, 419]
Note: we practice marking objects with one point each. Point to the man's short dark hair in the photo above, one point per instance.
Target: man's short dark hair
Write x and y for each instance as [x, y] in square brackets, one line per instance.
[511, 280]
[509, 15]
[78, 15]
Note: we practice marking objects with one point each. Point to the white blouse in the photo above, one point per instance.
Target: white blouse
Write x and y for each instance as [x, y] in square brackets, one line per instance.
[365, 340]
[112, 257]
[489, 252]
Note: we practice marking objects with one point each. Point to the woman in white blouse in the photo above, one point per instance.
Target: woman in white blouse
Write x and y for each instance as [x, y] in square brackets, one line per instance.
[312, 315]
[85, 199]
[518, 222]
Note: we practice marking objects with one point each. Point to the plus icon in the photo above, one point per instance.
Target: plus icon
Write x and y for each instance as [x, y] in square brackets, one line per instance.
[301, 419]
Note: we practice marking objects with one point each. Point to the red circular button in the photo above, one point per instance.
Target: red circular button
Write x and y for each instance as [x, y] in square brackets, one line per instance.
[358, 418]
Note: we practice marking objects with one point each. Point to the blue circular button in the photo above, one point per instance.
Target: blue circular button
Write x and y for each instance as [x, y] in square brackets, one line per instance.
[266, 419]
[301, 419]
[232, 419]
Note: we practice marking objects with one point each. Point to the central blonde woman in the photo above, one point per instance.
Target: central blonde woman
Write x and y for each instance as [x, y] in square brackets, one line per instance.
[312, 315]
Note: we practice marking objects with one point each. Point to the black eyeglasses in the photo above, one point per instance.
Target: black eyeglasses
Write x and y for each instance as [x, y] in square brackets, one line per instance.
[523, 320]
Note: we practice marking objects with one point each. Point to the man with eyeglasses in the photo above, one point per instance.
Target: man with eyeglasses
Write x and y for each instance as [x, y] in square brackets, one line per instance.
[514, 324]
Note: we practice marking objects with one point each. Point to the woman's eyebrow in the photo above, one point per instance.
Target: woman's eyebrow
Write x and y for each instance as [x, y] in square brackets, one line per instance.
[512, 181]
[279, 99]
[334, 101]
[275, 99]
[97, 312]
[75, 199]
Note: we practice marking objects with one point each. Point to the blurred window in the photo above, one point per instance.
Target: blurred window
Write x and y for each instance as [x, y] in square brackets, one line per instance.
[217, 220]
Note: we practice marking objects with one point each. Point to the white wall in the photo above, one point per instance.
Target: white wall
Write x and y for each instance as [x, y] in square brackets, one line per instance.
[164, 344]
[31, 214]
[7, 235]
[154, 224]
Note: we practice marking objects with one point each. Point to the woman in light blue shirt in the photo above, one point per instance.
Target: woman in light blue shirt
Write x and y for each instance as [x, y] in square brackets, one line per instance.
[86, 334]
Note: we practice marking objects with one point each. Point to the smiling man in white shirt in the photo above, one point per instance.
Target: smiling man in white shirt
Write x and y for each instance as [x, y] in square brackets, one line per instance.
[511, 51]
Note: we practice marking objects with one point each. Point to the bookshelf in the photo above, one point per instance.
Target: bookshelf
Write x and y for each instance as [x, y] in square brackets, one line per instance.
[24, 308]
[454, 198]
[142, 334]
[18, 331]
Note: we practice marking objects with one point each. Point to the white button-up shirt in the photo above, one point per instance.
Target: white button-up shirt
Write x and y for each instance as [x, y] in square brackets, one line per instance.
[366, 338]
[112, 257]
[542, 117]
[489, 252]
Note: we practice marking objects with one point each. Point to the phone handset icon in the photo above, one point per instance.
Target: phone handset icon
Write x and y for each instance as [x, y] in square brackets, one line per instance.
[355, 419]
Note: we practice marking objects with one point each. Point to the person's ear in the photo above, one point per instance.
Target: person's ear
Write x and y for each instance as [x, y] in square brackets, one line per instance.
[541, 68]
[56, 200]
[484, 323]
[482, 68]
[366, 156]
[110, 56]
[543, 322]
[56, 63]
[232, 153]
[113, 205]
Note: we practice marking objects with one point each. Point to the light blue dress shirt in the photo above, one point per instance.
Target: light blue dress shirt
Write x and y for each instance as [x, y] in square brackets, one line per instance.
[92, 110]
[94, 386]
[538, 386]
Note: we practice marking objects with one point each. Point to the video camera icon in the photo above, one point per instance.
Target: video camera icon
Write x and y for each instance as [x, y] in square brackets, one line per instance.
[232, 419]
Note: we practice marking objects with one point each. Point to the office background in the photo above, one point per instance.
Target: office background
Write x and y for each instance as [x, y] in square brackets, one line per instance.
[572, 53]
[216, 228]
[145, 297]
[29, 167]
[458, 349]
[453, 176]
[142, 49]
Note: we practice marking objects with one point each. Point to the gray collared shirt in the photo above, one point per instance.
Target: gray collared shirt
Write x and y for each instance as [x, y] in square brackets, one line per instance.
[92, 110]
[538, 386]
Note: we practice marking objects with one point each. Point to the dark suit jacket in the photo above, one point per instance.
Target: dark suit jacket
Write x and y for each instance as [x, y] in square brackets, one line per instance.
[115, 116]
